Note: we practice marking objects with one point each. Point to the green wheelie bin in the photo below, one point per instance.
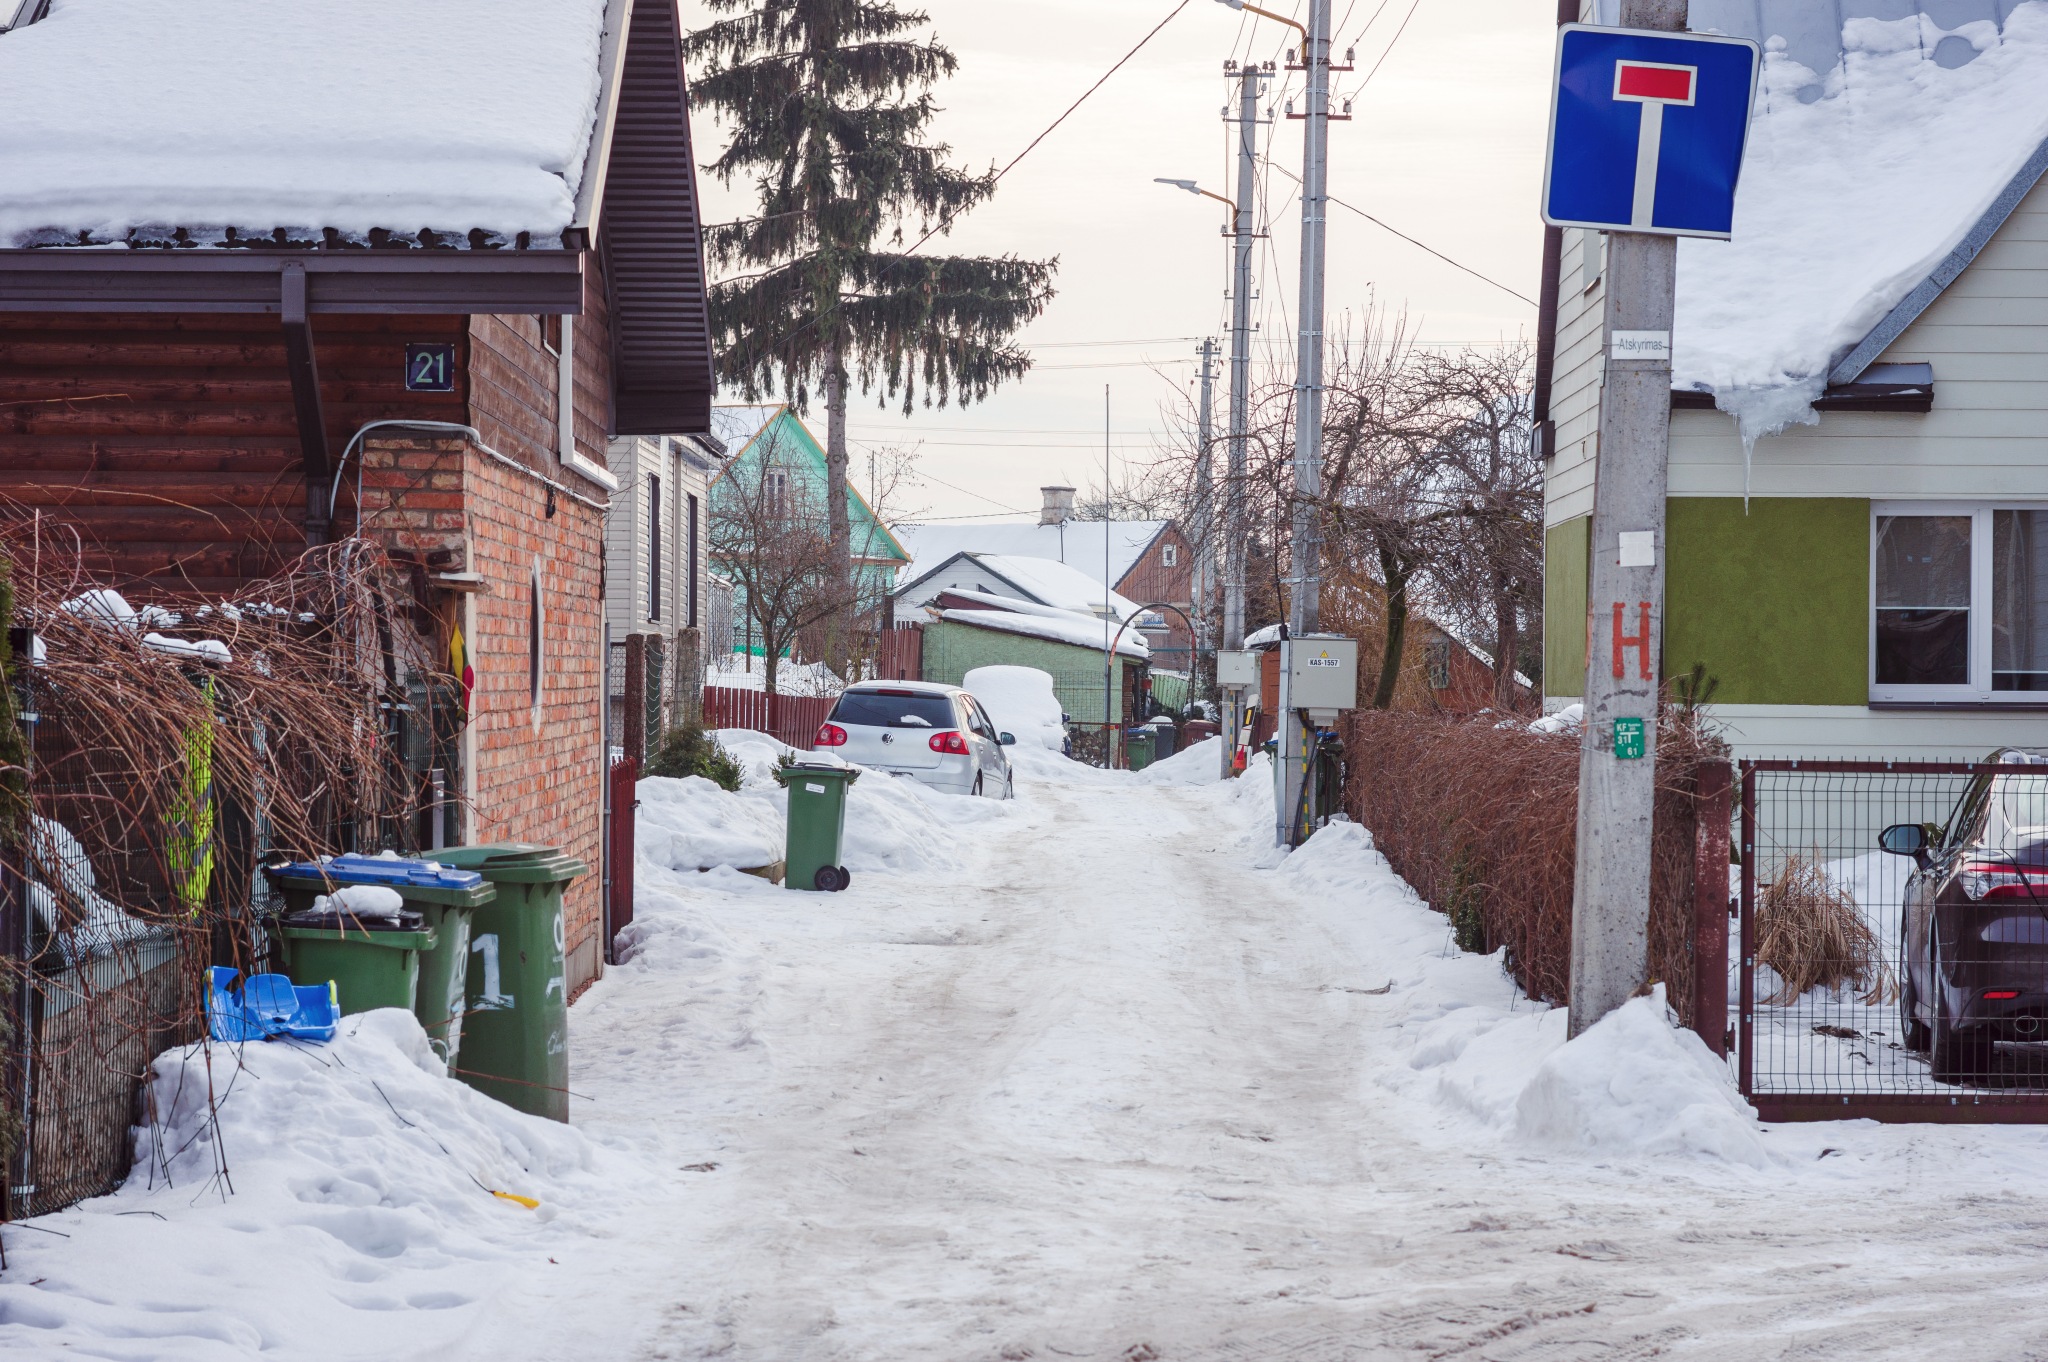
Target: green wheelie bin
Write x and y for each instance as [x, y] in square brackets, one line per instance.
[817, 825]
[444, 899]
[515, 1041]
[1137, 748]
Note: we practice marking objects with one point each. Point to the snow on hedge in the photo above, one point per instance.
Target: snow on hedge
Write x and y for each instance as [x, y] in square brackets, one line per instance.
[1856, 183]
[126, 115]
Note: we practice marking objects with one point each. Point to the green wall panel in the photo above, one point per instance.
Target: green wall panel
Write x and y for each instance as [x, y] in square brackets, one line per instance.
[1776, 602]
[1564, 606]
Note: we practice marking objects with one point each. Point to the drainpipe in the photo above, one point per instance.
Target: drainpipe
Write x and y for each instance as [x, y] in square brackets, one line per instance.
[1546, 307]
[565, 392]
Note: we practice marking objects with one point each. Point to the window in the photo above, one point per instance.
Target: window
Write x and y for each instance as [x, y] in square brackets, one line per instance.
[1169, 555]
[775, 492]
[653, 547]
[1959, 604]
[696, 560]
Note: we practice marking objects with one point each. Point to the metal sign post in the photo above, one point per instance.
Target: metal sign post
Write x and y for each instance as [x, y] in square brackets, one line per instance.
[1647, 132]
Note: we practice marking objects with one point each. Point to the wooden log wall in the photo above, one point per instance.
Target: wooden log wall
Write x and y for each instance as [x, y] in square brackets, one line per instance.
[169, 440]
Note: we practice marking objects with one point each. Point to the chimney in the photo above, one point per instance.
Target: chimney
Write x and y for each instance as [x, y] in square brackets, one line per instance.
[1059, 505]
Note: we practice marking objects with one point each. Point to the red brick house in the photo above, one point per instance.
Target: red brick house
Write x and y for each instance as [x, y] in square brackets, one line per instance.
[433, 356]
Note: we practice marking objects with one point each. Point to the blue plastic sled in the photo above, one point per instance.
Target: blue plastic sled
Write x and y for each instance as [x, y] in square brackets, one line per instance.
[268, 1005]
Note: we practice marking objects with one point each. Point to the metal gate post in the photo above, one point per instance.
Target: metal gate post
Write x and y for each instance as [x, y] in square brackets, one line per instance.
[1710, 905]
[1745, 1068]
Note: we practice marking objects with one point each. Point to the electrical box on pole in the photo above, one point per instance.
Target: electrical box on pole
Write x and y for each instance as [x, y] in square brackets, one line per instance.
[1237, 668]
[1322, 674]
[1646, 135]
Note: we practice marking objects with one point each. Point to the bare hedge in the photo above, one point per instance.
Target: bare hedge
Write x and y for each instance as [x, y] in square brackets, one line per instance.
[1481, 817]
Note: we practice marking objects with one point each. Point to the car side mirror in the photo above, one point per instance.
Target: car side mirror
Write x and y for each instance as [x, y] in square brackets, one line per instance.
[1009, 739]
[1907, 839]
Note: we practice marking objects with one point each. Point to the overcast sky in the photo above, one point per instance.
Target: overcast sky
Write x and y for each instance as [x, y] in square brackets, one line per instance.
[1446, 145]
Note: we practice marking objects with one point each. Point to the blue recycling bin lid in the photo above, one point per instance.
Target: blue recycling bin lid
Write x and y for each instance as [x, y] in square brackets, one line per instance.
[395, 873]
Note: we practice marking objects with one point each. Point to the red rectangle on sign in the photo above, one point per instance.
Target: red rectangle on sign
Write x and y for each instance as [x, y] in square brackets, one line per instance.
[1654, 82]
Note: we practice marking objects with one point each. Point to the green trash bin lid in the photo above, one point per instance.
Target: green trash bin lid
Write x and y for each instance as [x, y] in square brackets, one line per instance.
[515, 862]
[785, 774]
[396, 940]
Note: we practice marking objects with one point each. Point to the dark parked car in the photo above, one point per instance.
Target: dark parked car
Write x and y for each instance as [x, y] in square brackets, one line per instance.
[1974, 933]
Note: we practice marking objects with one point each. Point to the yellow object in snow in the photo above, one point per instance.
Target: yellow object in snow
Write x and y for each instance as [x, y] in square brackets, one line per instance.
[530, 1203]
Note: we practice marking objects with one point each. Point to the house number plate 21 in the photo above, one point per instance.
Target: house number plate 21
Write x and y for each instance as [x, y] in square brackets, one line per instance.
[430, 368]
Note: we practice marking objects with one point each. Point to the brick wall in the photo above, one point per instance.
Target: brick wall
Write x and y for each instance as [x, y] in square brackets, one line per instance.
[538, 776]
[540, 772]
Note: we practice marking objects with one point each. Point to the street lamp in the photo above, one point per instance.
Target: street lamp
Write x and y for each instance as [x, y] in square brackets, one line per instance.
[1265, 13]
[1194, 188]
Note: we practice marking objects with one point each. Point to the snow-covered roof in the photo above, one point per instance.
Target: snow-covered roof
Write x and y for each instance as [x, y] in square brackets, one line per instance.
[1046, 582]
[1078, 630]
[1876, 149]
[354, 115]
[1078, 543]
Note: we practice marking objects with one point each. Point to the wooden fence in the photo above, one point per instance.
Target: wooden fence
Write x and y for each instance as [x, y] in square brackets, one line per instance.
[793, 719]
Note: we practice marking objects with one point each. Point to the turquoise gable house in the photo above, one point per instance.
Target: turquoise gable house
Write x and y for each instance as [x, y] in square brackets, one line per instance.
[774, 434]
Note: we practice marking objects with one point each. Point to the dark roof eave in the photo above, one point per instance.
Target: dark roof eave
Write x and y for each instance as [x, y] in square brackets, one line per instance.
[61, 279]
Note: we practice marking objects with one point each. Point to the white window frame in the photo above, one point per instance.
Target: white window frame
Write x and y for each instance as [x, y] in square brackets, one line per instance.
[1977, 691]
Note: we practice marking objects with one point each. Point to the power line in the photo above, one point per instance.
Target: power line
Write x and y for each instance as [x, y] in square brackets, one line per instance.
[1390, 45]
[1417, 244]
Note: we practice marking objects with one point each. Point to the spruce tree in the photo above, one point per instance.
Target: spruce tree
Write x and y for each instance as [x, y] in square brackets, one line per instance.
[829, 102]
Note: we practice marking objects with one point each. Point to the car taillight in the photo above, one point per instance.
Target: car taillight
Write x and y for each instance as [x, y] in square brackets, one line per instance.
[953, 744]
[1999, 994]
[1982, 880]
[830, 735]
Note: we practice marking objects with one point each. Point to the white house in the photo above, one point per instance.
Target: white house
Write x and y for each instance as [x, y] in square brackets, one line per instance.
[656, 568]
[1857, 525]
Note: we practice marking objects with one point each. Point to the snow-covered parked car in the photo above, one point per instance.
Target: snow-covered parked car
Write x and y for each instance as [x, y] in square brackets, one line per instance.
[939, 735]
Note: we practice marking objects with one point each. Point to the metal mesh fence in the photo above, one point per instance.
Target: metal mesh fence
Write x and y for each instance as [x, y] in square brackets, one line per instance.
[1907, 986]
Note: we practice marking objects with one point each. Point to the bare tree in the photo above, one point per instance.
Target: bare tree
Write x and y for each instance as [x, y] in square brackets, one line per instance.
[1488, 570]
[771, 536]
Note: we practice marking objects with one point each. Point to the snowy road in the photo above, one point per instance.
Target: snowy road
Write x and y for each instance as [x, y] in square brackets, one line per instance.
[1072, 1077]
[1103, 1090]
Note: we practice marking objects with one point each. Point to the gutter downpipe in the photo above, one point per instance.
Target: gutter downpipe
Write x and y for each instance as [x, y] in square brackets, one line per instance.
[1546, 308]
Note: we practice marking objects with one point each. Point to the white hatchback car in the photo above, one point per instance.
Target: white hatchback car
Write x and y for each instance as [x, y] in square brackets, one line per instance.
[939, 735]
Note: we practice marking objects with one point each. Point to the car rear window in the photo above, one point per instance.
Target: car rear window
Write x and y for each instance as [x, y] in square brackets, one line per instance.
[897, 709]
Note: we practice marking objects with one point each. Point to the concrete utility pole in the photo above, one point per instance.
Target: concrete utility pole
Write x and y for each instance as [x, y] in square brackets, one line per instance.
[1205, 512]
[1303, 606]
[1243, 232]
[1625, 608]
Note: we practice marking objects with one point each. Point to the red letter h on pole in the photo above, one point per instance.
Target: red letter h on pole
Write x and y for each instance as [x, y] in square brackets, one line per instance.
[1639, 641]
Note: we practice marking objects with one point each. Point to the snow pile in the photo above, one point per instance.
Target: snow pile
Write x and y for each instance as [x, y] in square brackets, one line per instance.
[1856, 183]
[1022, 702]
[361, 1220]
[1634, 1083]
[136, 116]
[1056, 584]
[1198, 764]
[892, 823]
[1566, 720]
[371, 901]
[85, 922]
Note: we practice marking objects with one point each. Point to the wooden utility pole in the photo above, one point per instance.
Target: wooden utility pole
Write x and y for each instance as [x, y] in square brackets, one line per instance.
[1625, 611]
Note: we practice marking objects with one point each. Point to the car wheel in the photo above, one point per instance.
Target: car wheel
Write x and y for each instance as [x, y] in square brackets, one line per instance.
[1912, 1031]
[976, 791]
[1956, 1054]
[1010, 786]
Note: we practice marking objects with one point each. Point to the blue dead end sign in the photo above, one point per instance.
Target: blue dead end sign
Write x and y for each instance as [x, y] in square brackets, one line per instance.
[1646, 130]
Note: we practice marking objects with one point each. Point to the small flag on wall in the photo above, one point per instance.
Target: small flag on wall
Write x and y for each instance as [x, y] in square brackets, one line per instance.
[458, 663]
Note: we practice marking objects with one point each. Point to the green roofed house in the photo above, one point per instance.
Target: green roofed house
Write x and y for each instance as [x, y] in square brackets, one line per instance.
[772, 454]
[1856, 540]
